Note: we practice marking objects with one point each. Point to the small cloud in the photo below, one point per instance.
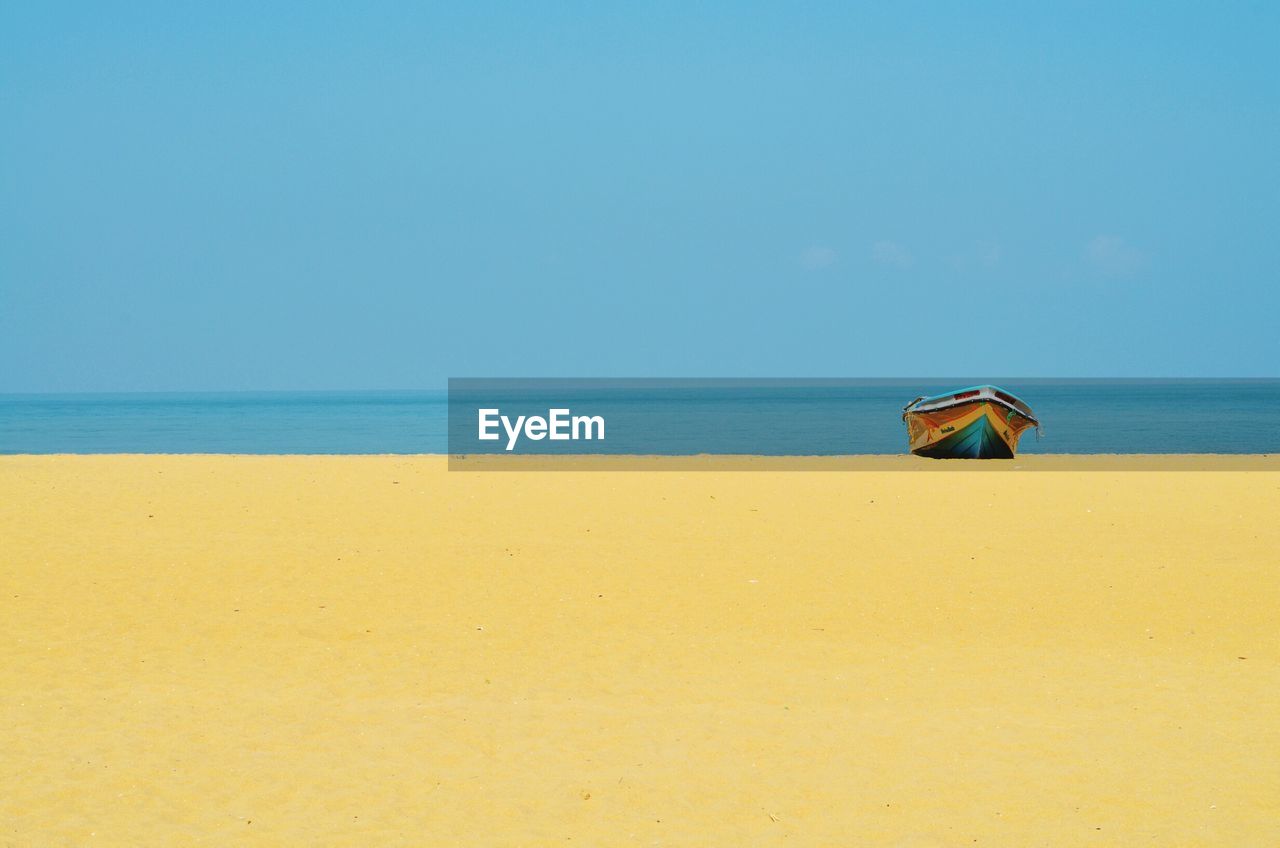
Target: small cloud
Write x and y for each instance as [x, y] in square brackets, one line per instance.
[990, 255]
[817, 257]
[1113, 256]
[892, 255]
[985, 256]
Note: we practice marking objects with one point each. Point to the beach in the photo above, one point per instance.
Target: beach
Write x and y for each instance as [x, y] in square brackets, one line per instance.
[271, 650]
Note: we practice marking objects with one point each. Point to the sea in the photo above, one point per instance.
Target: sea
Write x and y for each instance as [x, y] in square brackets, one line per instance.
[765, 417]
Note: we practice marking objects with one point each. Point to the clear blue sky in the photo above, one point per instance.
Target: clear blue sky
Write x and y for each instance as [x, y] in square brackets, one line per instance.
[324, 195]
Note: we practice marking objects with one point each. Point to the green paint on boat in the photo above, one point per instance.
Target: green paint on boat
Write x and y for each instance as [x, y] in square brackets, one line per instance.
[979, 440]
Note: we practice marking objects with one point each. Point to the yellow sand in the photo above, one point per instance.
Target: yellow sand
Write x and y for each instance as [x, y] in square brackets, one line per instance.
[375, 651]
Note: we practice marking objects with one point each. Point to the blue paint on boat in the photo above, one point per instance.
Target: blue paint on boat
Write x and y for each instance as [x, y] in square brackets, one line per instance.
[978, 440]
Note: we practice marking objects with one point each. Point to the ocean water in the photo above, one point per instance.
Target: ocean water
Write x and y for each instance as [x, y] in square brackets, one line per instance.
[237, 422]
[779, 417]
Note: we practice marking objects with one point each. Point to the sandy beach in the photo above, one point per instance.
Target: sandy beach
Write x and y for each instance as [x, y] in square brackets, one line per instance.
[376, 651]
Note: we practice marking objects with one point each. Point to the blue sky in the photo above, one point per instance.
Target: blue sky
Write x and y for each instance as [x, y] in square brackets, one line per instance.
[221, 196]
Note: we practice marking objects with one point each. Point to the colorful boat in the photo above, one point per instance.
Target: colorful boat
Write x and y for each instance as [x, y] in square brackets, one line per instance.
[980, 422]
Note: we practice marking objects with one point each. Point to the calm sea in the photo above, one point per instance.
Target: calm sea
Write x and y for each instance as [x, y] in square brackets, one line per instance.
[844, 417]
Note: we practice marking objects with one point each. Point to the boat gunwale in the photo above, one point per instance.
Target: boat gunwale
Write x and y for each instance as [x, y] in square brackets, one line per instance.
[913, 407]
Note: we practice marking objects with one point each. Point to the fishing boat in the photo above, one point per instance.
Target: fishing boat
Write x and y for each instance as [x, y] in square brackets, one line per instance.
[980, 422]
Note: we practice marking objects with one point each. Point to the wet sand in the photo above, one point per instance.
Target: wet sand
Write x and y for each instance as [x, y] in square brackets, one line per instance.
[375, 651]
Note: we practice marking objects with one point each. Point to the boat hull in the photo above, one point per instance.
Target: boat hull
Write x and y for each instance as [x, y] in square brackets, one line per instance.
[979, 430]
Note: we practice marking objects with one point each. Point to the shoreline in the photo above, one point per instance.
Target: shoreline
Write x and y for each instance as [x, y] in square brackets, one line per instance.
[756, 463]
